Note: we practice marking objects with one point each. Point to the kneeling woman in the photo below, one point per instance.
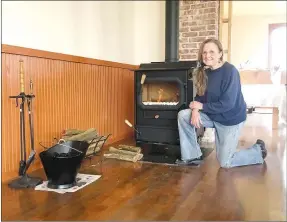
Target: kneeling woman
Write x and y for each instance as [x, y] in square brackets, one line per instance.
[219, 104]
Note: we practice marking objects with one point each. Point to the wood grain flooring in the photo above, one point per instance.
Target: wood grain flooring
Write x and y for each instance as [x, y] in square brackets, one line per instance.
[144, 191]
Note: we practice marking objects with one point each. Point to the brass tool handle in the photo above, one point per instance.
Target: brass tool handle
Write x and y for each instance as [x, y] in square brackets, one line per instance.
[143, 78]
[128, 123]
[21, 77]
[31, 87]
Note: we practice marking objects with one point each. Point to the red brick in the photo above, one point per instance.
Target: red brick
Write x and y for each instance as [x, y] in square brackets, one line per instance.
[185, 7]
[194, 56]
[187, 24]
[183, 51]
[193, 51]
[185, 57]
[197, 28]
[212, 15]
[209, 10]
[198, 20]
[210, 27]
[207, 33]
[189, 12]
[185, 29]
[211, 4]
[201, 5]
[189, 45]
[183, 40]
[188, 57]
[197, 39]
[189, 34]
[183, 24]
[209, 22]
[183, 19]
[185, 2]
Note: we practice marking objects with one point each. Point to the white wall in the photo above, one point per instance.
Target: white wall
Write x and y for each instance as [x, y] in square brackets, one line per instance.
[244, 8]
[1, 87]
[149, 31]
[120, 31]
[249, 38]
[40, 25]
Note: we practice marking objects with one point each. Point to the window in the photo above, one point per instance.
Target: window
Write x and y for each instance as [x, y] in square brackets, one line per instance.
[277, 46]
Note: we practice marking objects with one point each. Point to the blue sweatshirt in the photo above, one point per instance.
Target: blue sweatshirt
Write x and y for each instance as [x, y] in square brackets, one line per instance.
[223, 101]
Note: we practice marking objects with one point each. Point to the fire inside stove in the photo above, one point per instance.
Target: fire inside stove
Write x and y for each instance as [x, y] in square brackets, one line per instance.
[163, 93]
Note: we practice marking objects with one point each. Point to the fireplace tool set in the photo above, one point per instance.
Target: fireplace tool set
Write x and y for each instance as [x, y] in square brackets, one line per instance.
[25, 181]
[61, 162]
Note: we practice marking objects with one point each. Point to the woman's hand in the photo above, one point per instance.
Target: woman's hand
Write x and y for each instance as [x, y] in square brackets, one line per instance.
[196, 105]
[195, 118]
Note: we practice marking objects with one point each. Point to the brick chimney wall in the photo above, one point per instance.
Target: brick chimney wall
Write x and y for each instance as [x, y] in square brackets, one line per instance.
[198, 20]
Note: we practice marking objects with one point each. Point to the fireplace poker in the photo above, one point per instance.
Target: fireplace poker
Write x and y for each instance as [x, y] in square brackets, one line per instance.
[130, 125]
[29, 103]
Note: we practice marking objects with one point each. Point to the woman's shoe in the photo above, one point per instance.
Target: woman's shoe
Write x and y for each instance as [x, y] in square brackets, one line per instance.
[262, 146]
[190, 162]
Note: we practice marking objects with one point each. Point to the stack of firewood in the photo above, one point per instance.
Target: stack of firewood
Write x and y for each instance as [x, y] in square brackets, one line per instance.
[91, 136]
[124, 152]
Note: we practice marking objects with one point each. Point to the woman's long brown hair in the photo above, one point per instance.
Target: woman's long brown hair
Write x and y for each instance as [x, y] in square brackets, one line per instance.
[200, 74]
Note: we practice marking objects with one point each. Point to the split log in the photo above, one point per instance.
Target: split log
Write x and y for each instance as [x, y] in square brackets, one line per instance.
[124, 152]
[71, 132]
[85, 136]
[65, 137]
[130, 148]
[93, 147]
[92, 150]
[131, 158]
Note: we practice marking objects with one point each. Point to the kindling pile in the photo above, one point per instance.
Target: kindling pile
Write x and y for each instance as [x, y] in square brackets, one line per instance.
[90, 135]
[124, 152]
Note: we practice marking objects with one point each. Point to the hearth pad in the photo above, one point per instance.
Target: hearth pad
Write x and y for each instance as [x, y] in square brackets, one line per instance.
[165, 154]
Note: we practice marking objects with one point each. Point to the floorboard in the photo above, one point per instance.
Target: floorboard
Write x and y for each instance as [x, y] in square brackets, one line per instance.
[146, 191]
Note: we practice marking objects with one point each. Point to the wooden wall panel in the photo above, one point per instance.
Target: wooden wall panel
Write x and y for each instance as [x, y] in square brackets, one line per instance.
[69, 94]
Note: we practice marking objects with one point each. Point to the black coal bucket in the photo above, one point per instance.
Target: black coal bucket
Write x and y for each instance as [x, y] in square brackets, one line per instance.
[61, 163]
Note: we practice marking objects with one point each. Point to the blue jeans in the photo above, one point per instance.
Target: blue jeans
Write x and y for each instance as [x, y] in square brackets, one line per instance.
[226, 141]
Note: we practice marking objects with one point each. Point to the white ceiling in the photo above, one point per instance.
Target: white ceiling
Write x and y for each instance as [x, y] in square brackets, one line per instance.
[256, 8]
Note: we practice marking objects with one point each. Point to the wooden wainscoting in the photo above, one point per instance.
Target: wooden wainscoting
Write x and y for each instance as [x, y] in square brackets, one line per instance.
[71, 92]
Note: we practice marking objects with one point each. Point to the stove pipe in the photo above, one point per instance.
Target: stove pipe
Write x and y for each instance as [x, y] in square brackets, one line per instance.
[171, 30]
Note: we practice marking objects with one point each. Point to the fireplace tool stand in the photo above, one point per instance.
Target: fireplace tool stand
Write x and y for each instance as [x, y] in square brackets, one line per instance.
[24, 180]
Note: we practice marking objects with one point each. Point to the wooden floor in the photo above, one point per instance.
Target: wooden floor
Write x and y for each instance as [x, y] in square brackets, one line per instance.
[143, 191]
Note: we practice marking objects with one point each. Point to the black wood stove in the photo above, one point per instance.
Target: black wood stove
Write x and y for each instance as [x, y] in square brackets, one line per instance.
[162, 89]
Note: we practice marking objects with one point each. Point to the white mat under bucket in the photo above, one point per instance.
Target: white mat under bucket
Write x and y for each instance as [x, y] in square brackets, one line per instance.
[82, 181]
